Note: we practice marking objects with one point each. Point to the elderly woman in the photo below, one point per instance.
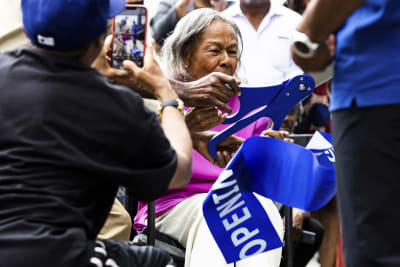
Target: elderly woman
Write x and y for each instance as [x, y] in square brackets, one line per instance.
[204, 42]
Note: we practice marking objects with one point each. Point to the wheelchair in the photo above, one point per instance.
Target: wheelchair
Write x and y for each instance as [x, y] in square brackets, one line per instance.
[294, 254]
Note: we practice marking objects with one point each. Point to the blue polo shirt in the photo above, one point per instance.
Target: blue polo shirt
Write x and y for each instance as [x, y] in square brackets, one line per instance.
[367, 66]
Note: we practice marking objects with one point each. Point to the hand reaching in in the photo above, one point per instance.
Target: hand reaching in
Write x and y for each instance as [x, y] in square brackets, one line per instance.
[282, 135]
[213, 90]
[225, 150]
[203, 119]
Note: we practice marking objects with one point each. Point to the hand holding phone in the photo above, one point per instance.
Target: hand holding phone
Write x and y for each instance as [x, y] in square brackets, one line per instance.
[129, 36]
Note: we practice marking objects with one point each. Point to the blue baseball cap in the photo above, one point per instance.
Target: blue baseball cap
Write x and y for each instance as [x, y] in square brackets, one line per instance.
[65, 25]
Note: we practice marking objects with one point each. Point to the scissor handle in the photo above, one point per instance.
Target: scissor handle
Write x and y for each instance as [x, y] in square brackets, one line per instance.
[291, 92]
[253, 98]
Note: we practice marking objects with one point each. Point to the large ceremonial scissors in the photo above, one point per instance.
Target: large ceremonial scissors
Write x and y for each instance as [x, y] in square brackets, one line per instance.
[273, 102]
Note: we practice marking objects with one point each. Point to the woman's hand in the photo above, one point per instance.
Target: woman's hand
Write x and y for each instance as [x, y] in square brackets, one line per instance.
[298, 219]
[278, 135]
[203, 119]
[212, 90]
[226, 149]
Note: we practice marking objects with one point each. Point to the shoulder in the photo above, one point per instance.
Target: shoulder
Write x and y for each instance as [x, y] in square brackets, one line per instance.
[288, 17]
[16, 64]
[232, 11]
[164, 9]
[11, 55]
[168, 3]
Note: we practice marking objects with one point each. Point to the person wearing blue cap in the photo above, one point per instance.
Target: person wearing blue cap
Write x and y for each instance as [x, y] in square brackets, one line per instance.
[365, 105]
[69, 138]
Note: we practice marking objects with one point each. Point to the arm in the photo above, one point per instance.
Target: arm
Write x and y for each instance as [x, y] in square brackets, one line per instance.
[175, 130]
[213, 90]
[298, 219]
[123, 77]
[166, 17]
[323, 17]
[172, 121]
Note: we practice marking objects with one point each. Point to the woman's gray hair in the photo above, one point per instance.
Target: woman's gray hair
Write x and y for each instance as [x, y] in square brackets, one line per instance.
[184, 37]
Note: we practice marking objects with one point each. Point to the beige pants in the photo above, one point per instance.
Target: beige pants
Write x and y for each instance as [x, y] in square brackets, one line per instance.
[185, 222]
[118, 224]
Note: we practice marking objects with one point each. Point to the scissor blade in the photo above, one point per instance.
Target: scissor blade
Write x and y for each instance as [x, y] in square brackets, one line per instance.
[323, 76]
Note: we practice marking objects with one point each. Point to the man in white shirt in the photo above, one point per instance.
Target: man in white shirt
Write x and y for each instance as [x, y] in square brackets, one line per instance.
[266, 27]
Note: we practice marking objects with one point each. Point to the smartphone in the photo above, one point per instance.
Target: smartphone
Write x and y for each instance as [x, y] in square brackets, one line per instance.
[308, 237]
[300, 139]
[129, 30]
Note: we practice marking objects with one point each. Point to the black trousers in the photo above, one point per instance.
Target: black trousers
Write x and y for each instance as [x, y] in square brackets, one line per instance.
[109, 253]
[367, 149]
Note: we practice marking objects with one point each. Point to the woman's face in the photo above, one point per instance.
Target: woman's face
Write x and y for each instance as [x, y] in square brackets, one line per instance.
[216, 50]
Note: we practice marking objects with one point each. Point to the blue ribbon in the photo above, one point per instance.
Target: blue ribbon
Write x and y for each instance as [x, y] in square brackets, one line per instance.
[287, 173]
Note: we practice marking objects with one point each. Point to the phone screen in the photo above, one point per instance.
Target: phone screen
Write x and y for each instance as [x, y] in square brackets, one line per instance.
[300, 139]
[129, 36]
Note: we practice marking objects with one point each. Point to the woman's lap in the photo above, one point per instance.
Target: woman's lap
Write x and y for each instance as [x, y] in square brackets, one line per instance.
[186, 224]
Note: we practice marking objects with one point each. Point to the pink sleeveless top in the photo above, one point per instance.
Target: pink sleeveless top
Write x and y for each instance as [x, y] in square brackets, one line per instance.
[204, 173]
